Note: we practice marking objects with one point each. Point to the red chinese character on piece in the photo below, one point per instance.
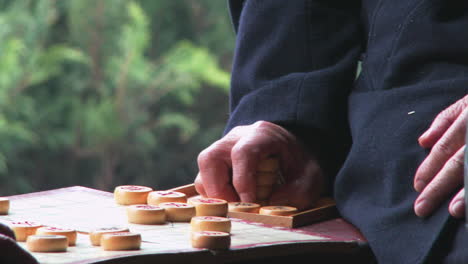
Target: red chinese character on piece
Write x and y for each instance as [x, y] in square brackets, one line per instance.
[177, 204]
[166, 193]
[147, 207]
[209, 201]
[132, 188]
[210, 218]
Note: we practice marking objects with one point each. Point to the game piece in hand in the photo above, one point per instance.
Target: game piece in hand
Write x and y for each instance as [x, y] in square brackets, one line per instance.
[270, 164]
[211, 240]
[131, 194]
[243, 207]
[23, 229]
[96, 234]
[146, 214]
[157, 197]
[121, 241]
[49, 230]
[4, 205]
[209, 206]
[47, 243]
[178, 212]
[278, 210]
[210, 223]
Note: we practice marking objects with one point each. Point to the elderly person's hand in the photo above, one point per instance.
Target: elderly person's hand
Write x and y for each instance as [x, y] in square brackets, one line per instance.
[227, 167]
[441, 173]
[10, 251]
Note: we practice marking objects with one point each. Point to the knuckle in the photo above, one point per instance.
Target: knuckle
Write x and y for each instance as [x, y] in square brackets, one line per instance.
[207, 156]
[444, 148]
[456, 162]
[244, 150]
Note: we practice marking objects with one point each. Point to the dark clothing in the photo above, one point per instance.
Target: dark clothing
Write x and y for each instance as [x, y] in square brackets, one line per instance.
[295, 64]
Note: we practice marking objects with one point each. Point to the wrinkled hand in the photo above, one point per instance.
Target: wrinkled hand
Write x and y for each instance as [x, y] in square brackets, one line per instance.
[228, 166]
[10, 251]
[441, 173]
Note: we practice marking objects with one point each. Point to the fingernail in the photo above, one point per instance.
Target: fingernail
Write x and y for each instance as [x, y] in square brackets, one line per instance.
[421, 208]
[420, 185]
[457, 207]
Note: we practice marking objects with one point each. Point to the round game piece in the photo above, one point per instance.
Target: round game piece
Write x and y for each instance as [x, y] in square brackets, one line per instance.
[47, 243]
[269, 164]
[210, 223]
[278, 210]
[146, 214]
[95, 235]
[243, 207]
[121, 241]
[211, 240]
[23, 229]
[178, 212]
[131, 194]
[266, 178]
[157, 197]
[4, 205]
[210, 206]
[264, 192]
[49, 230]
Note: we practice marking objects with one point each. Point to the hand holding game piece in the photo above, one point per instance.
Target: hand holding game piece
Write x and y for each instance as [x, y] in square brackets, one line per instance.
[10, 251]
[228, 167]
[146, 214]
[4, 205]
[211, 240]
[47, 243]
[210, 223]
[131, 194]
[121, 241]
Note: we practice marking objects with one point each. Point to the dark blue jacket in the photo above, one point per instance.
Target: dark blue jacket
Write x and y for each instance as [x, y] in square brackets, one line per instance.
[295, 64]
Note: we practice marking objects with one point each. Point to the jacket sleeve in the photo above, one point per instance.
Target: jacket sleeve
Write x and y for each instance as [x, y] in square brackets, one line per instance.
[294, 65]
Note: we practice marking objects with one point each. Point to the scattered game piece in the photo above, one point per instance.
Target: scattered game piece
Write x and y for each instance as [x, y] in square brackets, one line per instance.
[95, 235]
[121, 241]
[23, 229]
[243, 207]
[146, 214]
[178, 212]
[131, 194]
[209, 206]
[211, 240]
[210, 223]
[49, 230]
[278, 210]
[4, 205]
[157, 197]
[47, 243]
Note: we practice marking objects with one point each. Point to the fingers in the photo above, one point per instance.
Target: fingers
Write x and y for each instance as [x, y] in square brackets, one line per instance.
[442, 123]
[304, 191]
[5, 230]
[11, 252]
[457, 205]
[441, 186]
[266, 139]
[452, 140]
[228, 166]
[215, 165]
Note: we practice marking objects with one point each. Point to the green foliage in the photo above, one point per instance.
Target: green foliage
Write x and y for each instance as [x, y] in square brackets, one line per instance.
[108, 92]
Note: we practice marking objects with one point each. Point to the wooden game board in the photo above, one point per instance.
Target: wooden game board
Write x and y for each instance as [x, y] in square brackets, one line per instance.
[84, 209]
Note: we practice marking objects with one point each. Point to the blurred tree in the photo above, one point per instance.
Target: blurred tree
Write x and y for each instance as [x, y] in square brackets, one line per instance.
[107, 92]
